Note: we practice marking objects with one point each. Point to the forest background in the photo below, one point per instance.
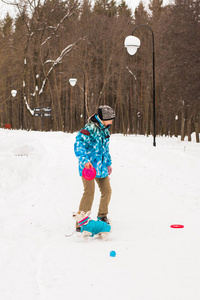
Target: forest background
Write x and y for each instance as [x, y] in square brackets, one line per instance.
[50, 41]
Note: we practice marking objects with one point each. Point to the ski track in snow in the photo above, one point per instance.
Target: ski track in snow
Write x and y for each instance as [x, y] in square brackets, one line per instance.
[152, 188]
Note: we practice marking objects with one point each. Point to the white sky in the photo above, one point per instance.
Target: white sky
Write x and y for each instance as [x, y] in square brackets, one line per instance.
[4, 8]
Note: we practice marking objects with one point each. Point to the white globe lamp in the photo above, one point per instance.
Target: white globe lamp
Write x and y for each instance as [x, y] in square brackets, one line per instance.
[132, 43]
[14, 93]
[72, 81]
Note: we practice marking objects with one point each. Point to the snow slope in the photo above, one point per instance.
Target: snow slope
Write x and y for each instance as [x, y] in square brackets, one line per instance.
[153, 187]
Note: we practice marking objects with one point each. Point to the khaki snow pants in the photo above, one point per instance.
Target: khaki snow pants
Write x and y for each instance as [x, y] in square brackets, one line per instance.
[88, 195]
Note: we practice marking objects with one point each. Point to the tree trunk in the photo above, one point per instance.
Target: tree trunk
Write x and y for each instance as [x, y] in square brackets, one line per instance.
[182, 125]
[189, 130]
[176, 127]
[196, 124]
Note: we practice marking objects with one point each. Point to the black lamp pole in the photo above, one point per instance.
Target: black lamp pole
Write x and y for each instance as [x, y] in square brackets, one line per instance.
[154, 99]
[84, 107]
[84, 110]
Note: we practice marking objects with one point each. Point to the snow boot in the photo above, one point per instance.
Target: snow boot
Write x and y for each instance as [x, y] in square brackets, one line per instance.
[104, 219]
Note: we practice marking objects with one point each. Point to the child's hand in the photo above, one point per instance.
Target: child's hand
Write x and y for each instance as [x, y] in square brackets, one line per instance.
[88, 165]
[109, 170]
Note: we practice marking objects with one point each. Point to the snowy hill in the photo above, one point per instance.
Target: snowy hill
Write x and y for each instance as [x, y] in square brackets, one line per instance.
[153, 187]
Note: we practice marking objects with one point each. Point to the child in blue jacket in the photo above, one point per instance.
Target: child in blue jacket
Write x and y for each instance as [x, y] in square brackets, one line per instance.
[92, 150]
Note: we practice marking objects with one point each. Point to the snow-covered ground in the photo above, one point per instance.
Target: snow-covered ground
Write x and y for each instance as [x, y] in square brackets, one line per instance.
[153, 187]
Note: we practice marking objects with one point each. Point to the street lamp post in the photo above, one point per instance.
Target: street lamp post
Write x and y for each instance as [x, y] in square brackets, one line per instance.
[72, 82]
[14, 94]
[132, 43]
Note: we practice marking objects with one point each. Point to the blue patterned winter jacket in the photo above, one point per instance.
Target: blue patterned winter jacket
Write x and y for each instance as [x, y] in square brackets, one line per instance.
[92, 145]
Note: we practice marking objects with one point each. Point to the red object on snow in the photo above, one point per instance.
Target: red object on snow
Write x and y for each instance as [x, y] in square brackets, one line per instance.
[7, 126]
[177, 226]
[89, 174]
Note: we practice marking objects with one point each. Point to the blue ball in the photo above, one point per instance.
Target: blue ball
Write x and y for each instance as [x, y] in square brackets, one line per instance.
[112, 253]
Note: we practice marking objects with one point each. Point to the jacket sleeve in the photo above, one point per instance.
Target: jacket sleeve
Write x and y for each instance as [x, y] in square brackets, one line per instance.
[108, 156]
[109, 160]
[80, 148]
